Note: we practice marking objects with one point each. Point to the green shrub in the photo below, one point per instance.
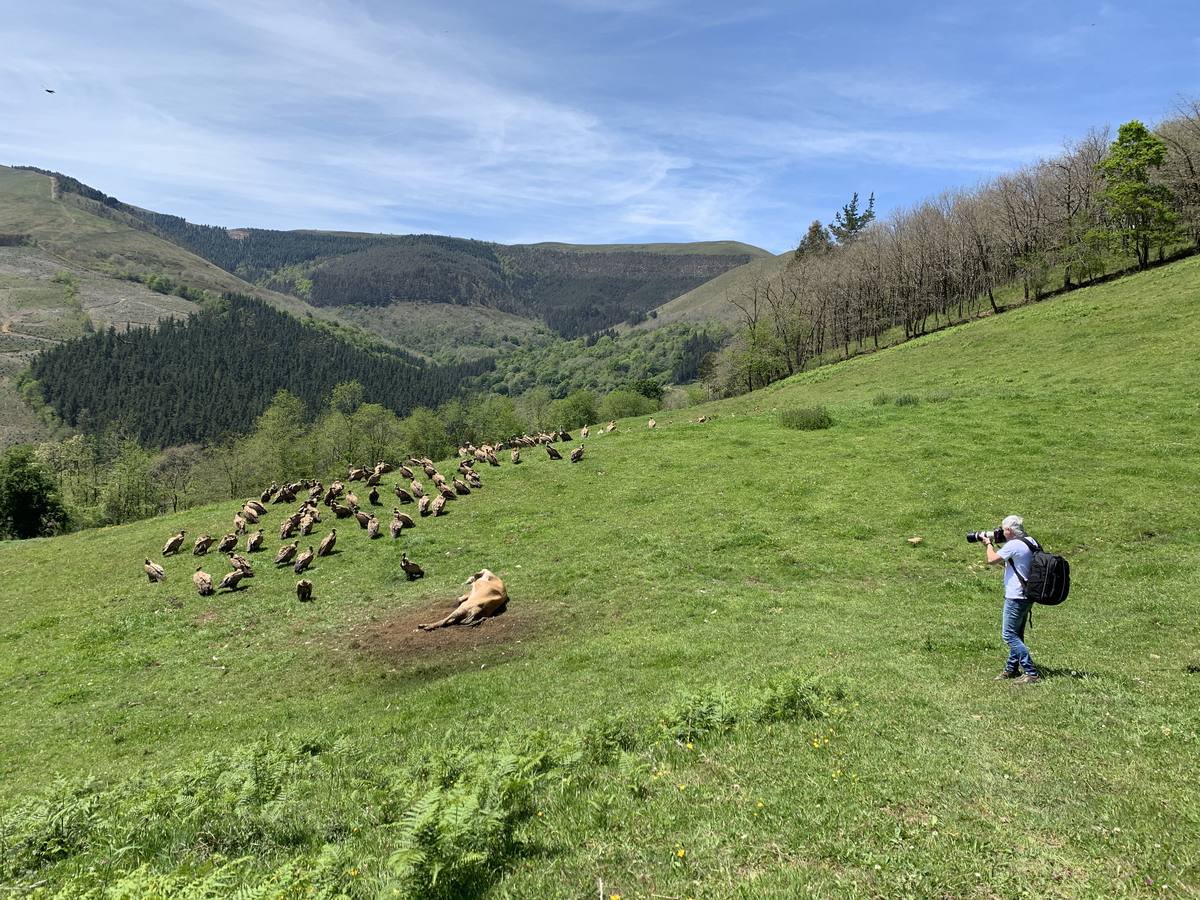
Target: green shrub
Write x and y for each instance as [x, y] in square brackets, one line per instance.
[906, 400]
[883, 398]
[807, 418]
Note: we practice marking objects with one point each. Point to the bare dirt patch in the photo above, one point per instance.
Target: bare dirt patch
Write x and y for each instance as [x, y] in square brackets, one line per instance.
[397, 639]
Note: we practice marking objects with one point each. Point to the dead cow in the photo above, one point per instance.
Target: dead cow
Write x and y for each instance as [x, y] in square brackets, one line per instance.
[487, 597]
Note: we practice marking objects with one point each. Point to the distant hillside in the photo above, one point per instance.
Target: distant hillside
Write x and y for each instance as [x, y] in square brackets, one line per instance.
[216, 372]
[575, 289]
[715, 248]
[63, 218]
[710, 300]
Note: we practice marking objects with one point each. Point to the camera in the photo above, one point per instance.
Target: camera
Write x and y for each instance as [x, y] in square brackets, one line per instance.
[997, 536]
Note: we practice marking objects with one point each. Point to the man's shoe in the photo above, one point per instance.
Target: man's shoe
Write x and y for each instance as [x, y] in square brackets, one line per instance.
[1028, 678]
[1007, 674]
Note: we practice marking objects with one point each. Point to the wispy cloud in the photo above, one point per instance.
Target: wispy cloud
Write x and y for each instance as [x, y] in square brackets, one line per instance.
[573, 119]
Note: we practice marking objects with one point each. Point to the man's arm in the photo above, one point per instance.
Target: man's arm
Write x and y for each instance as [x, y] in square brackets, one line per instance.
[992, 556]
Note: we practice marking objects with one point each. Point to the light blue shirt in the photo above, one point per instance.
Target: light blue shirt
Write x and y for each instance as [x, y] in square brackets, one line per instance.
[1017, 558]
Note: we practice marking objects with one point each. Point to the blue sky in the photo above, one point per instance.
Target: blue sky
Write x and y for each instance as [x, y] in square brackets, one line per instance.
[573, 120]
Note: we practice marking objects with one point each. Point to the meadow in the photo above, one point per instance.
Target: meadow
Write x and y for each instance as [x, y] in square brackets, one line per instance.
[724, 671]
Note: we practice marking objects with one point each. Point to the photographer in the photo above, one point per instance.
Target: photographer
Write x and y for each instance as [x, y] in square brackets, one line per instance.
[1016, 556]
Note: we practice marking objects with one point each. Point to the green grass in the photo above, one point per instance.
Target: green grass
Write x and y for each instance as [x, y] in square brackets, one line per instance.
[661, 589]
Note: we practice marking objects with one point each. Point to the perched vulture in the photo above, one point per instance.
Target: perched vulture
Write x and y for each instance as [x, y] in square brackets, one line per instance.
[306, 524]
[492, 461]
[286, 552]
[552, 453]
[285, 495]
[382, 468]
[357, 473]
[373, 497]
[439, 479]
[239, 524]
[651, 424]
[411, 569]
[474, 479]
[342, 512]
[430, 471]
[254, 542]
[460, 487]
[202, 544]
[577, 454]
[565, 436]
[231, 580]
[227, 543]
[612, 426]
[406, 472]
[446, 492]
[267, 494]
[395, 527]
[304, 560]
[362, 518]
[304, 590]
[326, 545]
[240, 562]
[702, 420]
[516, 457]
[289, 525]
[403, 495]
[154, 572]
[373, 528]
[256, 506]
[583, 432]
[203, 582]
[423, 506]
[439, 505]
[352, 500]
[373, 479]
[173, 544]
[250, 514]
[416, 488]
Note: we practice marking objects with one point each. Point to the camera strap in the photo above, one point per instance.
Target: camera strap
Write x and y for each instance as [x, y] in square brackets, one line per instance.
[1034, 547]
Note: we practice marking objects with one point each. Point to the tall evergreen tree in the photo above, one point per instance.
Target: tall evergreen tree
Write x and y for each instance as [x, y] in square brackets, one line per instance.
[816, 240]
[849, 223]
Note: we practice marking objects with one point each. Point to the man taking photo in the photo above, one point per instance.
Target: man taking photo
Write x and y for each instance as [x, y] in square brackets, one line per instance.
[1016, 556]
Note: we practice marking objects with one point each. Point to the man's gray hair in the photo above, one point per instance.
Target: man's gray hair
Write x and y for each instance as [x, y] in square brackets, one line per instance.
[1016, 523]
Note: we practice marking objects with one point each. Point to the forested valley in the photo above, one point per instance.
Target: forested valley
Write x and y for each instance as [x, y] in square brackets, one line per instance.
[212, 374]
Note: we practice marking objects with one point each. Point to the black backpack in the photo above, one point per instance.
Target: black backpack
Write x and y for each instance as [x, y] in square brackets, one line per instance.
[1049, 579]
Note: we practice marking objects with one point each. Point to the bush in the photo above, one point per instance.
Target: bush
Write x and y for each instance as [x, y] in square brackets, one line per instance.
[808, 418]
[907, 400]
[883, 398]
[623, 404]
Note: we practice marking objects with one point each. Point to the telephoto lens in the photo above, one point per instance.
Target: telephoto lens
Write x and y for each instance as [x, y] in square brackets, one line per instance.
[997, 536]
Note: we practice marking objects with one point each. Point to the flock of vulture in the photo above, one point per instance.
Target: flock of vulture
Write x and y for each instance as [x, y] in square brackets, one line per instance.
[341, 501]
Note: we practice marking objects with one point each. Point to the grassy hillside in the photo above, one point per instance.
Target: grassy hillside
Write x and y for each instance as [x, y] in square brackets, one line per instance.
[711, 299]
[724, 670]
[92, 236]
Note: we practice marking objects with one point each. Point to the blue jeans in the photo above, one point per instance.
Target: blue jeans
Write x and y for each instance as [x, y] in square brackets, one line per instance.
[1016, 614]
